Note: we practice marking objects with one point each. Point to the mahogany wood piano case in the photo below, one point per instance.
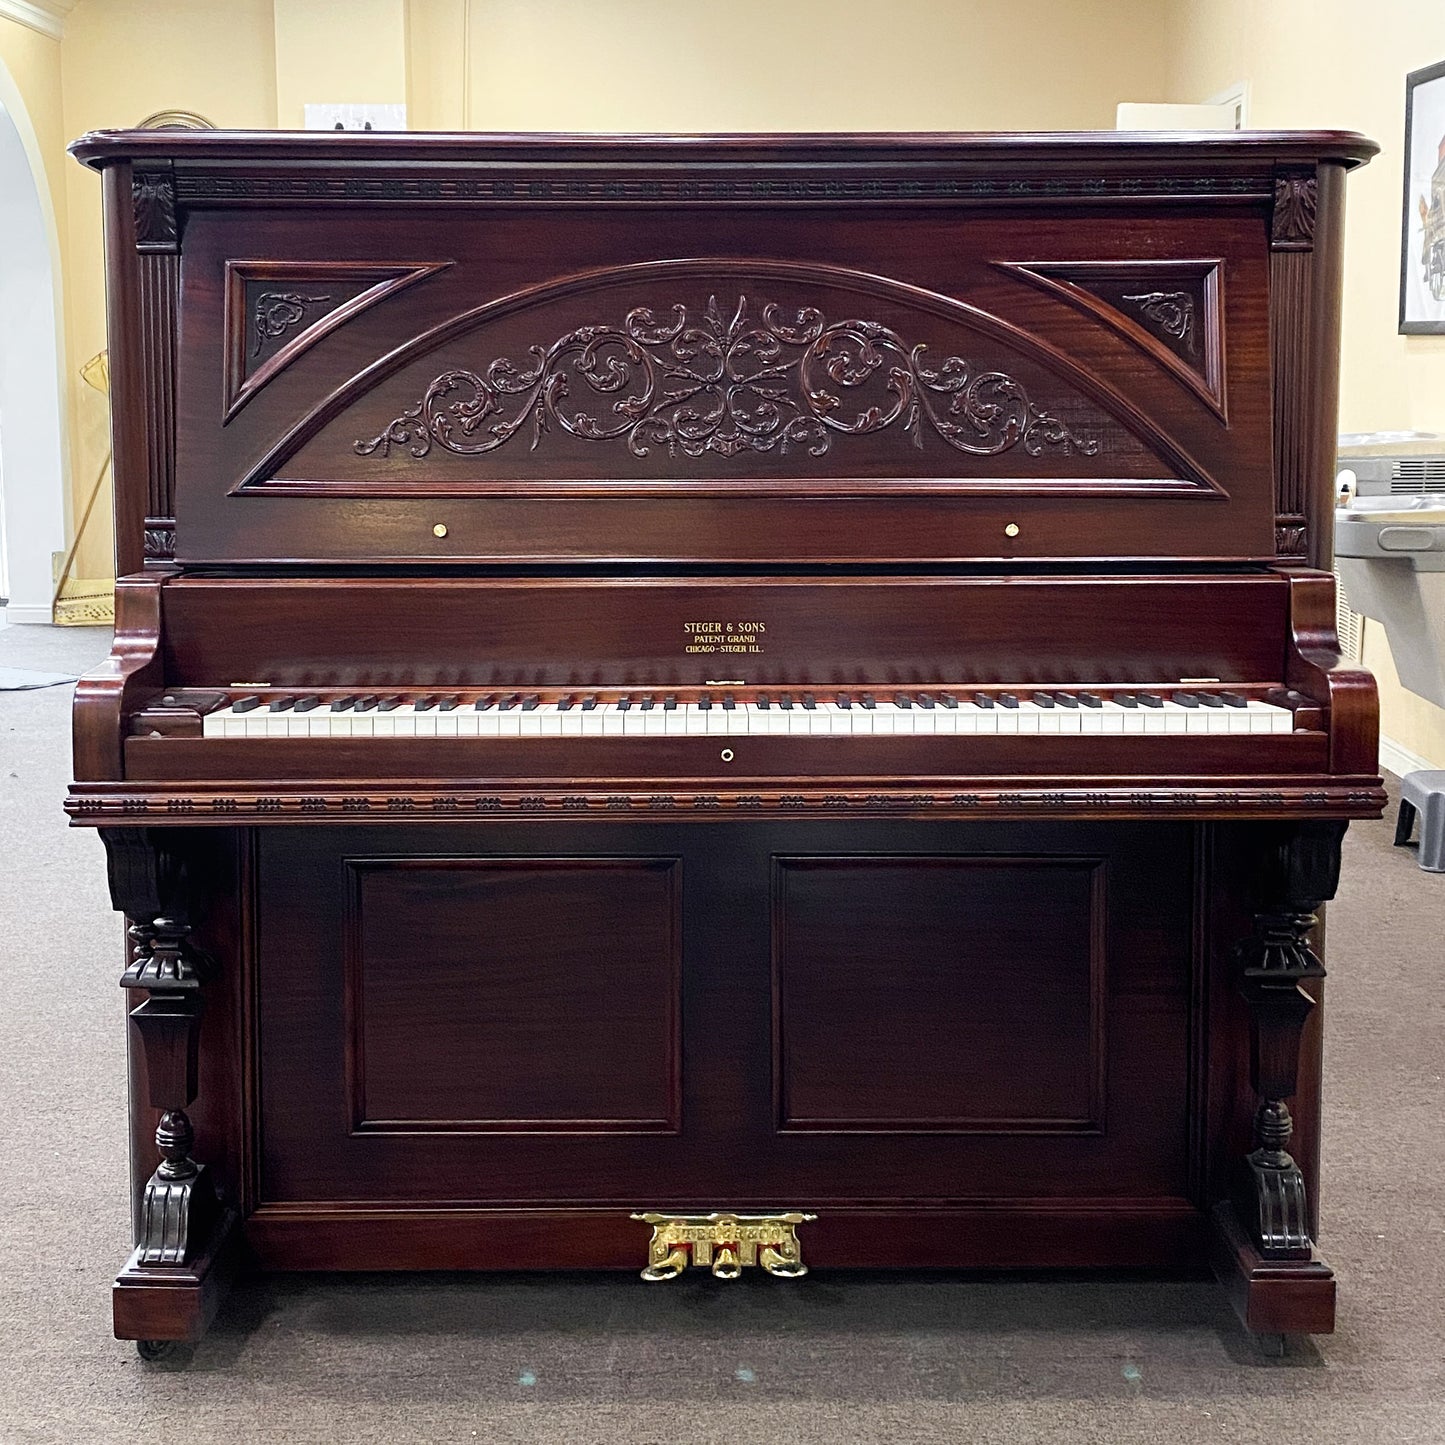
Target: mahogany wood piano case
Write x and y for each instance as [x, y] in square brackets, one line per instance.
[723, 702]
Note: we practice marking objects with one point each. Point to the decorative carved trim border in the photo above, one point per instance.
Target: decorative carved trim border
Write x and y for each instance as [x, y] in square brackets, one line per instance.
[160, 540]
[1189, 477]
[1207, 383]
[1355, 798]
[823, 185]
[238, 387]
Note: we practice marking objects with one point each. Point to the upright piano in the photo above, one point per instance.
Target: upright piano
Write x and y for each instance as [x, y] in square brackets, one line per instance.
[723, 703]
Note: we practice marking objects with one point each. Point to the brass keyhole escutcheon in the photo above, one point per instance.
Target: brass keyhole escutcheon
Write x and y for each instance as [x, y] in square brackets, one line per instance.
[1012, 530]
[726, 755]
[440, 530]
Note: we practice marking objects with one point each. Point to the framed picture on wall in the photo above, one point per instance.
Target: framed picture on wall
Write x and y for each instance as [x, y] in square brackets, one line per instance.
[1422, 260]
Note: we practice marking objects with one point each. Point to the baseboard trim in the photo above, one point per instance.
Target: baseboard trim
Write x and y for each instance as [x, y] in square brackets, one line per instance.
[18, 615]
[1398, 760]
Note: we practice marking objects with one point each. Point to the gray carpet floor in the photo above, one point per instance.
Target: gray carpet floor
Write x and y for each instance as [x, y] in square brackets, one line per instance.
[875, 1358]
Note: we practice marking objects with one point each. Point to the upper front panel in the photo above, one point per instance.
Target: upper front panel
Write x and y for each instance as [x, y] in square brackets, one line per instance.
[848, 356]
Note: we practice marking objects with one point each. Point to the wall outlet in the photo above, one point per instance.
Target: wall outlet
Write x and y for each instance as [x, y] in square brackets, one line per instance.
[355, 117]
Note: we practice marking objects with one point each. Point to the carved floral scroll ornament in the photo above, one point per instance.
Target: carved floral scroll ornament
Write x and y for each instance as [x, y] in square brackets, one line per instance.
[728, 386]
[278, 311]
[1171, 311]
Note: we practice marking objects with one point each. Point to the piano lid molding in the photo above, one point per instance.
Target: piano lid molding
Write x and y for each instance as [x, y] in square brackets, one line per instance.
[295, 291]
[1179, 305]
[752, 382]
[796, 369]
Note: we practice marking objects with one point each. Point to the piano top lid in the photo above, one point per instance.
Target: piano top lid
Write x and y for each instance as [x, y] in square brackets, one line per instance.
[1107, 148]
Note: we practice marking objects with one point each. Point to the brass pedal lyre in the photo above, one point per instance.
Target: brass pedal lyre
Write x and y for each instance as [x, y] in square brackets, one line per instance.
[727, 1243]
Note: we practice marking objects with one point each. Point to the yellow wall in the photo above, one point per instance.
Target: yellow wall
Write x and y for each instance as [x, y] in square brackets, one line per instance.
[749, 65]
[1334, 63]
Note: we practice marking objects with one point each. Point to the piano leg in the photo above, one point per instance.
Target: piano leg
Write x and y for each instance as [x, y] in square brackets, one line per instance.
[186, 1240]
[1264, 1252]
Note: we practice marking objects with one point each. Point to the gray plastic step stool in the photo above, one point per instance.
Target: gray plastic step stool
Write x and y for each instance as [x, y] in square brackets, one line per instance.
[1424, 793]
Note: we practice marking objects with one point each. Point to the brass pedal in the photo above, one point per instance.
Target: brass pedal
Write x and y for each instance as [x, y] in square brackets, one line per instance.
[727, 1243]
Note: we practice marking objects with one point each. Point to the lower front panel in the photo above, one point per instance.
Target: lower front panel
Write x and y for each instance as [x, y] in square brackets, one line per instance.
[953, 1043]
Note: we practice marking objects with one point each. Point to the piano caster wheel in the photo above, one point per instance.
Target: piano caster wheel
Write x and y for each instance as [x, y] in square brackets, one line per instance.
[1270, 1345]
[151, 1350]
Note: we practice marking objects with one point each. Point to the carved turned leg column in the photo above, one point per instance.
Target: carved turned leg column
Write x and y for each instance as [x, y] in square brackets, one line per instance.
[170, 1288]
[1279, 1284]
[180, 1204]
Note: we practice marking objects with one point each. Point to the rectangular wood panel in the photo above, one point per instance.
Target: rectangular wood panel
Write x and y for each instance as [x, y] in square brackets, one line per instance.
[951, 994]
[528, 994]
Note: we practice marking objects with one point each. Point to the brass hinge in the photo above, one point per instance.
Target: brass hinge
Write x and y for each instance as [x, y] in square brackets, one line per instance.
[726, 1242]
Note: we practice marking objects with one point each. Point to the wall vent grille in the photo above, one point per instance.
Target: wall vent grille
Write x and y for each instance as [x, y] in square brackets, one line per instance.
[1349, 624]
[1412, 475]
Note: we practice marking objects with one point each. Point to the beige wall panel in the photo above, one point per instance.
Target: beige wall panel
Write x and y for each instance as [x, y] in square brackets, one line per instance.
[348, 53]
[757, 65]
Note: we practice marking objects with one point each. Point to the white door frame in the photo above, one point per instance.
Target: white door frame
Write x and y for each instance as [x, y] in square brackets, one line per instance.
[34, 453]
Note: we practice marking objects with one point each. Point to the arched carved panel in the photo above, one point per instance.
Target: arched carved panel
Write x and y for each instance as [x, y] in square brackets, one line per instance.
[725, 376]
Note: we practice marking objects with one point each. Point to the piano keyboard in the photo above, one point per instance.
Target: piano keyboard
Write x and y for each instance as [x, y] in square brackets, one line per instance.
[744, 714]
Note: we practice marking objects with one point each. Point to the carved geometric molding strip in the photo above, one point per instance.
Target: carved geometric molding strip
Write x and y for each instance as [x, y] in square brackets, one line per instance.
[1170, 310]
[277, 310]
[727, 381]
[1292, 223]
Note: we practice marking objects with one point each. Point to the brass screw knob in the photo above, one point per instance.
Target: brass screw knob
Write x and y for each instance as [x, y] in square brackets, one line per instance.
[1012, 530]
[439, 530]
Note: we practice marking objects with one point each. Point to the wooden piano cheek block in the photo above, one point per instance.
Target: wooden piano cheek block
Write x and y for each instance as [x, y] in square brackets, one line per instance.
[992, 948]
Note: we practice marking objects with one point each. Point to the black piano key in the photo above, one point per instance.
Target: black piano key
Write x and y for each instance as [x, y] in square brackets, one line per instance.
[449, 704]
[809, 701]
[1126, 699]
[843, 700]
[589, 703]
[729, 704]
[982, 699]
[307, 703]
[1008, 699]
[763, 703]
[280, 704]
[388, 704]
[1150, 699]
[484, 702]
[341, 704]
[245, 704]
[647, 703]
[1091, 699]
[669, 703]
[1210, 699]
[1233, 699]
[704, 703]
[948, 699]
[367, 703]
[901, 699]
[564, 704]
[868, 702]
[1042, 699]
[1185, 699]
[785, 701]
[923, 700]
[1066, 699]
[623, 703]
[531, 702]
[424, 704]
[510, 701]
